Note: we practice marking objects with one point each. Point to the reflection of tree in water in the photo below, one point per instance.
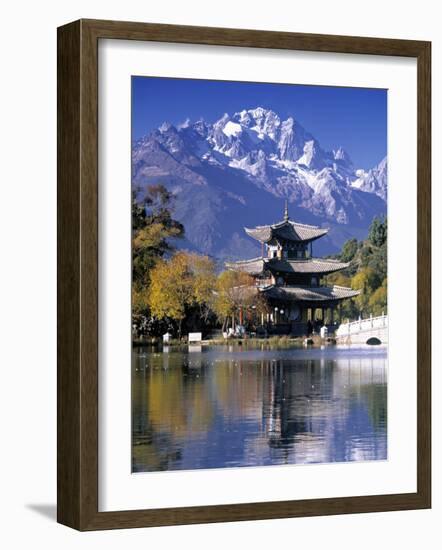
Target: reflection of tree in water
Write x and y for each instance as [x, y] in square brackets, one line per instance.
[198, 410]
[375, 398]
[368, 386]
[153, 451]
[237, 387]
[169, 404]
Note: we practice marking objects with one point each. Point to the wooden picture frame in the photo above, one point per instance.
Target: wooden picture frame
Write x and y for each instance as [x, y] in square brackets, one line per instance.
[78, 274]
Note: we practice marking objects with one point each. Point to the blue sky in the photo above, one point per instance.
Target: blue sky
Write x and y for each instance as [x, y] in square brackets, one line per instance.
[354, 118]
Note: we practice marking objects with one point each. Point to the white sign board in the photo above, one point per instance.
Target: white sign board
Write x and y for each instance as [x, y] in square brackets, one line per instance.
[195, 336]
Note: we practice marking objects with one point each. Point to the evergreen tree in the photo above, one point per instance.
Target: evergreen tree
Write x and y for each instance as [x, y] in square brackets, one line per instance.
[349, 250]
[377, 234]
[367, 272]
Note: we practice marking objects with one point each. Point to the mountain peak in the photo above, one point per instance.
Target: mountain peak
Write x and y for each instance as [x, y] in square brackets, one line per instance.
[240, 166]
[184, 124]
[256, 113]
[313, 157]
[382, 166]
[201, 127]
[259, 111]
[341, 154]
[259, 118]
[373, 181]
[165, 127]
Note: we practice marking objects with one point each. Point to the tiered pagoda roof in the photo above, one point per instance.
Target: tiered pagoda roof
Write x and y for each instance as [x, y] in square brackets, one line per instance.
[286, 231]
[287, 262]
[258, 266]
[309, 294]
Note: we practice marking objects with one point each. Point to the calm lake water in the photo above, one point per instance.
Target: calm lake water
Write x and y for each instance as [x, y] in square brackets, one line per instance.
[216, 407]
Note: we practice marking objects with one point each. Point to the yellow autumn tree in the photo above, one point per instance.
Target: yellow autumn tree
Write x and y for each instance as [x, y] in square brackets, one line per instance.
[177, 284]
[367, 281]
[202, 279]
[378, 300]
[153, 227]
[339, 279]
[236, 290]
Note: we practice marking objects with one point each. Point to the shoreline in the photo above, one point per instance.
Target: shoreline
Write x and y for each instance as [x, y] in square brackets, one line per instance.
[283, 341]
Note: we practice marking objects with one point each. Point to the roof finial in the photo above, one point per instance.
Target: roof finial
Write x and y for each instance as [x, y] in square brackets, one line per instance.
[286, 211]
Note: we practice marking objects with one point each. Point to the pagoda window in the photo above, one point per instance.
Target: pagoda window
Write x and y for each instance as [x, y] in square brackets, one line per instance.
[314, 281]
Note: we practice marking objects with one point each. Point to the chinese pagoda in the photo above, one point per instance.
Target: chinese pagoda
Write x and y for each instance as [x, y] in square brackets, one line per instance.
[291, 279]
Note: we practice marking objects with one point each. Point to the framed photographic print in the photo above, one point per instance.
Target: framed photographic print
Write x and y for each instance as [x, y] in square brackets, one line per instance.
[243, 275]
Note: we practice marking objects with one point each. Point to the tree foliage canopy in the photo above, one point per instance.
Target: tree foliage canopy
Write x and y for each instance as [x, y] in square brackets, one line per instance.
[349, 250]
[377, 234]
[179, 284]
[235, 291]
[152, 229]
[367, 272]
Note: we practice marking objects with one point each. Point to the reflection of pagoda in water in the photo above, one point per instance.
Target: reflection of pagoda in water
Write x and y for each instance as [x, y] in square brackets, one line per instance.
[316, 413]
[290, 277]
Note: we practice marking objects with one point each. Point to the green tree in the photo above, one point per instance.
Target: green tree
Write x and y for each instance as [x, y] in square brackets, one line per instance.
[152, 230]
[377, 234]
[377, 261]
[367, 272]
[349, 250]
[366, 281]
[378, 300]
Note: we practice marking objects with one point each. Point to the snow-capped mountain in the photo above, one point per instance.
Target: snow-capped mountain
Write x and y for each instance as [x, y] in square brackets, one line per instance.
[373, 181]
[235, 172]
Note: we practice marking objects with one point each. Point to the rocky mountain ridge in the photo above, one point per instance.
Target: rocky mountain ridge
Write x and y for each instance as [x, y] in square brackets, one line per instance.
[237, 171]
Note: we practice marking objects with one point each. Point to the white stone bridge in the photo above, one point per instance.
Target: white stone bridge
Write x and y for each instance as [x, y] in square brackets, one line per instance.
[374, 329]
